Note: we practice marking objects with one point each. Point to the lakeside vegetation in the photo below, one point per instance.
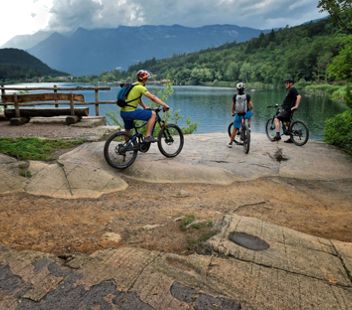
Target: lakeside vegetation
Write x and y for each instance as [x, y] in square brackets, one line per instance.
[35, 148]
[18, 65]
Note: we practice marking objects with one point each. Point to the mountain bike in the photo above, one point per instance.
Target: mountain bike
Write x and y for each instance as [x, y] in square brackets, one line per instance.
[243, 136]
[296, 129]
[121, 148]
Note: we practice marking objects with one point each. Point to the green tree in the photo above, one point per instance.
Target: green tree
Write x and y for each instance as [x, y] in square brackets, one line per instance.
[340, 11]
[341, 66]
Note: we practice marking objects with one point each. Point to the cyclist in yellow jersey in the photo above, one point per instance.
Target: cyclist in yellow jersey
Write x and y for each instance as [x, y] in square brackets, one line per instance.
[130, 112]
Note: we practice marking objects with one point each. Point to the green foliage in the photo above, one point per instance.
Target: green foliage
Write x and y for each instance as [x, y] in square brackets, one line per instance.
[348, 95]
[187, 220]
[112, 115]
[34, 148]
[341, 66]
[340, 11]
[303, 52]
[338, 130]
[17, 64]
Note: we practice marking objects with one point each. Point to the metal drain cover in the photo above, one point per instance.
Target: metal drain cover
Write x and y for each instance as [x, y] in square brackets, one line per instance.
[248, 241]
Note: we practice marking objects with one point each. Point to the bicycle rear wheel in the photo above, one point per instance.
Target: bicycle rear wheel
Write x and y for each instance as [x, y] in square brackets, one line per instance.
[119, 151]
[170, 140]
[246, 139]
[270, 129]
[299, 133]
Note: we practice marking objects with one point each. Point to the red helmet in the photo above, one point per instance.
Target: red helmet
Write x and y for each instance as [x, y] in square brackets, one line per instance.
[142, 75]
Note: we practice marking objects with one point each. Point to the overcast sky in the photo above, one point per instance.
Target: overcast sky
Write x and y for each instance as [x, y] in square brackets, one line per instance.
[29, 16]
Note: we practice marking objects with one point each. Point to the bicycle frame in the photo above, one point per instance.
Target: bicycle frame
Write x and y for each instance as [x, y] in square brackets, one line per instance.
[138, 135]
[285, 125]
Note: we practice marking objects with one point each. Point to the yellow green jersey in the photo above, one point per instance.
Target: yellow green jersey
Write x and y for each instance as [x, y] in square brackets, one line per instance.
[135, 93]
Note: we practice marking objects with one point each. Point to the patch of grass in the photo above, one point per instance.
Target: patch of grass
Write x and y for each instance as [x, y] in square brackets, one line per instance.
[35, 148]
[186, 220]
[25, 173]
[197, 234]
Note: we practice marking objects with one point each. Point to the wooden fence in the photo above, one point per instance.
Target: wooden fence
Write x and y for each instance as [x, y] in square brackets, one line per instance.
[71, 90]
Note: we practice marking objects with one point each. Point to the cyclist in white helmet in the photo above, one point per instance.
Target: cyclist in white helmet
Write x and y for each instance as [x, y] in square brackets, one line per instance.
[241, 107]
[130, 112]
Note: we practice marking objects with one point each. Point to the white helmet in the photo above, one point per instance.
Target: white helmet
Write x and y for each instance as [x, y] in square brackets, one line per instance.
[240, 85]
[142, 75]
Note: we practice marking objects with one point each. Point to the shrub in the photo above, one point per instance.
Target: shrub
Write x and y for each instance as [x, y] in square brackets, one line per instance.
[338, 130]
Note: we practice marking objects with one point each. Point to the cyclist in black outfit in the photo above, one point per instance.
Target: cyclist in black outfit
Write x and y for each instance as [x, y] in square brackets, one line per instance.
[290, 104]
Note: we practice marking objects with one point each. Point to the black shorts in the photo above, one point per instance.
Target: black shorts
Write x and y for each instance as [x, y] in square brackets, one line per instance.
[284, 116]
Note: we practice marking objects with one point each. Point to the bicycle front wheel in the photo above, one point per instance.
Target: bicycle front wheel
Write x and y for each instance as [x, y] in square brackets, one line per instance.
[246, 139]
[230, 129]
[170, 140]
[237, 138]
[299, 133]
[270, 129]
[119, 151]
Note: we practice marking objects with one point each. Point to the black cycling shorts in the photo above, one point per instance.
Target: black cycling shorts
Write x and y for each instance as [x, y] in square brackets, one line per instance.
[284, 116]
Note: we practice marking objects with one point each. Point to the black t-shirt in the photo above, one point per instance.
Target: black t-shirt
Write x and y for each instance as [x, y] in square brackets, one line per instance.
[290, 99]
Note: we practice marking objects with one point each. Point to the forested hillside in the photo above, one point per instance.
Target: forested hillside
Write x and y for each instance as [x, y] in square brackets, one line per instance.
[307, 52]
[18, 65]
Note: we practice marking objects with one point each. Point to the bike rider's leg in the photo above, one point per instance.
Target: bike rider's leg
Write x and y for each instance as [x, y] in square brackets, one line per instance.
[236, 125]
[233, 135]
[248, 116]
[150, 125]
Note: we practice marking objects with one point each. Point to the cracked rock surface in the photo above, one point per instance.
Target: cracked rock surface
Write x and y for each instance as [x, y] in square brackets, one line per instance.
[238, 278]
[83, 172]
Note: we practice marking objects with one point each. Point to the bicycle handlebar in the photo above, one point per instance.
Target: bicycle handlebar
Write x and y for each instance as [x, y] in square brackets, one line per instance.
[157, 109]
[273, 106]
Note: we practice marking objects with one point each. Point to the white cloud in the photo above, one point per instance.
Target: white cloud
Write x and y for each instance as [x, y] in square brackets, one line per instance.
[23, 17]
[65, 15]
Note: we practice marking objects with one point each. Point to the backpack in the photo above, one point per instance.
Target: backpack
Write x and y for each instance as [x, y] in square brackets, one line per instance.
[123, 93]
[241, 104]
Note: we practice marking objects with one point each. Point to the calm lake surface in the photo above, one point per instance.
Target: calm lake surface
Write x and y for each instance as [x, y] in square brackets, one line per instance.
[210, 107]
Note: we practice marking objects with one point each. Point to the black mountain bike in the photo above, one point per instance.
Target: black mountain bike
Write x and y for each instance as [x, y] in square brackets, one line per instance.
[296, 129]
[121, 149]
[243, 136]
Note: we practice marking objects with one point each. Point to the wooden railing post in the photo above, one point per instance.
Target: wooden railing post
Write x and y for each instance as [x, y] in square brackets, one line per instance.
[3, 93]
[17, 109]
[72, 105]
[96, 102]
[55, 92]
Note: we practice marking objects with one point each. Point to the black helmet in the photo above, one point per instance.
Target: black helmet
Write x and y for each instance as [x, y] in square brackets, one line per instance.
[289, 80]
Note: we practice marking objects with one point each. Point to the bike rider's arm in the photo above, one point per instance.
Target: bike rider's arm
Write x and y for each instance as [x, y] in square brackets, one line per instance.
[233, 105]
[156, 100]
[298, 101]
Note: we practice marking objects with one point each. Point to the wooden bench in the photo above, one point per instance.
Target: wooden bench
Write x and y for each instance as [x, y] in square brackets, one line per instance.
[19, 114]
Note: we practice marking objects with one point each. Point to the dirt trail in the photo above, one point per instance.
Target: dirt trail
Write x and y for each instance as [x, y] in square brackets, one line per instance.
[145, 215]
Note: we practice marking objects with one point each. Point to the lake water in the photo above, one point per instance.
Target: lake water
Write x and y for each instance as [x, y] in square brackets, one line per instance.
[210, 107]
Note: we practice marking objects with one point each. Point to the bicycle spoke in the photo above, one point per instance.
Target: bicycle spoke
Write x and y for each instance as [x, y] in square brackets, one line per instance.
[170, 140]
[299, 133]
[119, 151]
[270, 129]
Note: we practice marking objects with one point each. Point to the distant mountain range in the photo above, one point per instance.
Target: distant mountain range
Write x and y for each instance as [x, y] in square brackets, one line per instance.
[87, 52]
[27, 41]
[17, 64]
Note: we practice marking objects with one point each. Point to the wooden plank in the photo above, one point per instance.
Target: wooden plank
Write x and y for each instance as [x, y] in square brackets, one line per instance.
[59, 88]
[10, 113]
[42, 97]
